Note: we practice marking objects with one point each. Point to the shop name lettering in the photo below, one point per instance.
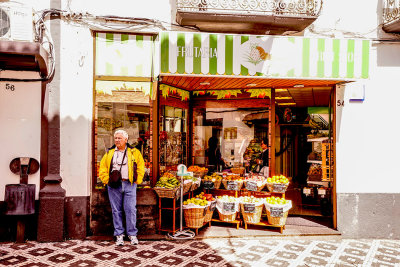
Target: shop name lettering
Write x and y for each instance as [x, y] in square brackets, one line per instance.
[195, 51]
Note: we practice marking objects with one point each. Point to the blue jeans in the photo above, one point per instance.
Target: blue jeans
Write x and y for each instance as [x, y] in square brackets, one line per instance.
[122, 199]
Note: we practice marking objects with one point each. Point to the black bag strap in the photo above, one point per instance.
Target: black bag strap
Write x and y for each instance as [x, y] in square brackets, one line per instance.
[123, 157]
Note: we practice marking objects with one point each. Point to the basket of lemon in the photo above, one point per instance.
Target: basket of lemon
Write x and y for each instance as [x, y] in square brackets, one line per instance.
[277, 184]
[251, 208]
[277, 209]
[194, 211]
[212, 181]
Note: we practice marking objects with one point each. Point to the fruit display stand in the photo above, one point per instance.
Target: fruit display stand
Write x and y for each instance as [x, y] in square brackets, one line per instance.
[168, 190]
[168, 204]
[277, 188]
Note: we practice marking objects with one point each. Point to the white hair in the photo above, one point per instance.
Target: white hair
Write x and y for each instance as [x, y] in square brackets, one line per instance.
[124, 133]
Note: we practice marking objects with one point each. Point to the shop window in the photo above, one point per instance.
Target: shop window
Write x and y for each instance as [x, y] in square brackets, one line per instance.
[239, 132]
[122, 105]
[173, 137]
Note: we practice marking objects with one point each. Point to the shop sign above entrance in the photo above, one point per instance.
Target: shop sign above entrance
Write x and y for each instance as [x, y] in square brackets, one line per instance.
[267, 56]
[122, 55]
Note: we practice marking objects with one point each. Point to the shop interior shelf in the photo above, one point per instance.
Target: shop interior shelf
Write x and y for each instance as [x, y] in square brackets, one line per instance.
[326, 184]
[314, 161]
[319, 139]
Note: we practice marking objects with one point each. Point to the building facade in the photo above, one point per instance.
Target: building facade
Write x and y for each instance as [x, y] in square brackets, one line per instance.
[62, 114]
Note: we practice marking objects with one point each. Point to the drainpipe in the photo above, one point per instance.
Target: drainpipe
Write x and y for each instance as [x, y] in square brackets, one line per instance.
[51, 194]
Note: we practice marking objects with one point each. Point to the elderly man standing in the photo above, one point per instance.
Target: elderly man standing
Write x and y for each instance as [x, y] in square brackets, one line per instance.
[128, 160]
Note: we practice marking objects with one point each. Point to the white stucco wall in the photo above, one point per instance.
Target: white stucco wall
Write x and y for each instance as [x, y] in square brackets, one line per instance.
[367, 146]
[20, 120]
[160, 10]
[76, 109]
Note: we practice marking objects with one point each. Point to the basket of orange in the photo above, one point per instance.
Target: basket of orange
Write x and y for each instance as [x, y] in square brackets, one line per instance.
[198, 171]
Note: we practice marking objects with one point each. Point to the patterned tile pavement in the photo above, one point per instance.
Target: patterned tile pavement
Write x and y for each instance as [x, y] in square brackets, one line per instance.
[206, 253]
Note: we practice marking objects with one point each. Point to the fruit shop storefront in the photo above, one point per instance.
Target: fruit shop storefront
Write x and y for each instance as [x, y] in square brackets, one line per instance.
[226, 95]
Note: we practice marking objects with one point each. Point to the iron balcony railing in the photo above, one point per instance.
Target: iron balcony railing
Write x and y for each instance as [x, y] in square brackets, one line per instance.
[298, 8]
[391, 11]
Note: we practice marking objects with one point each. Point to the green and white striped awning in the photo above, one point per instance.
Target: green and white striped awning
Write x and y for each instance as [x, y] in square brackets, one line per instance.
[267, 56]
[124, 55]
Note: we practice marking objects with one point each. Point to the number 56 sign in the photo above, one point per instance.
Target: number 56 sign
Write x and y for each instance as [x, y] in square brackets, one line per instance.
[10, 86]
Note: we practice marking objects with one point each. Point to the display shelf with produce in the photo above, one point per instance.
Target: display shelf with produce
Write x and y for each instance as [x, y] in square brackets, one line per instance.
[319, 176]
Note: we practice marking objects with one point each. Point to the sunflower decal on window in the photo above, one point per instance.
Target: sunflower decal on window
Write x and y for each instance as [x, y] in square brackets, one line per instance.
[257, 54]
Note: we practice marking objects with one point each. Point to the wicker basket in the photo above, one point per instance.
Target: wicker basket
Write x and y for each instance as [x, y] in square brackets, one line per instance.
[252, 217]
[217, 183]
[209, 215]
[186, 186]
[225, 182]
[277, 220]
[238, 170]
[163, 192]
[259, 188]
[270, 187]
[195, 184]
[227, 218]
[194, 217]
[199, 174]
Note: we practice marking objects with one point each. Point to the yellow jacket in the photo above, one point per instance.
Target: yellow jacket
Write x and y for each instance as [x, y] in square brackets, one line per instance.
[133, 154]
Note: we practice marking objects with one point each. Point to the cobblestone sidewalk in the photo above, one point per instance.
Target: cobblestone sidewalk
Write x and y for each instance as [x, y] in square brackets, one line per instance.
[205, 253]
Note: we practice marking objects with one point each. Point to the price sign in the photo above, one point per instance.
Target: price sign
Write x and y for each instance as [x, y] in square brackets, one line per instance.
[251, 186]
[232, 185]
[306, 191]
[249, 208]
[228, 207]
[321, 191]
[280, 188]
[276, 212]
[213, 205]
[208, 184]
